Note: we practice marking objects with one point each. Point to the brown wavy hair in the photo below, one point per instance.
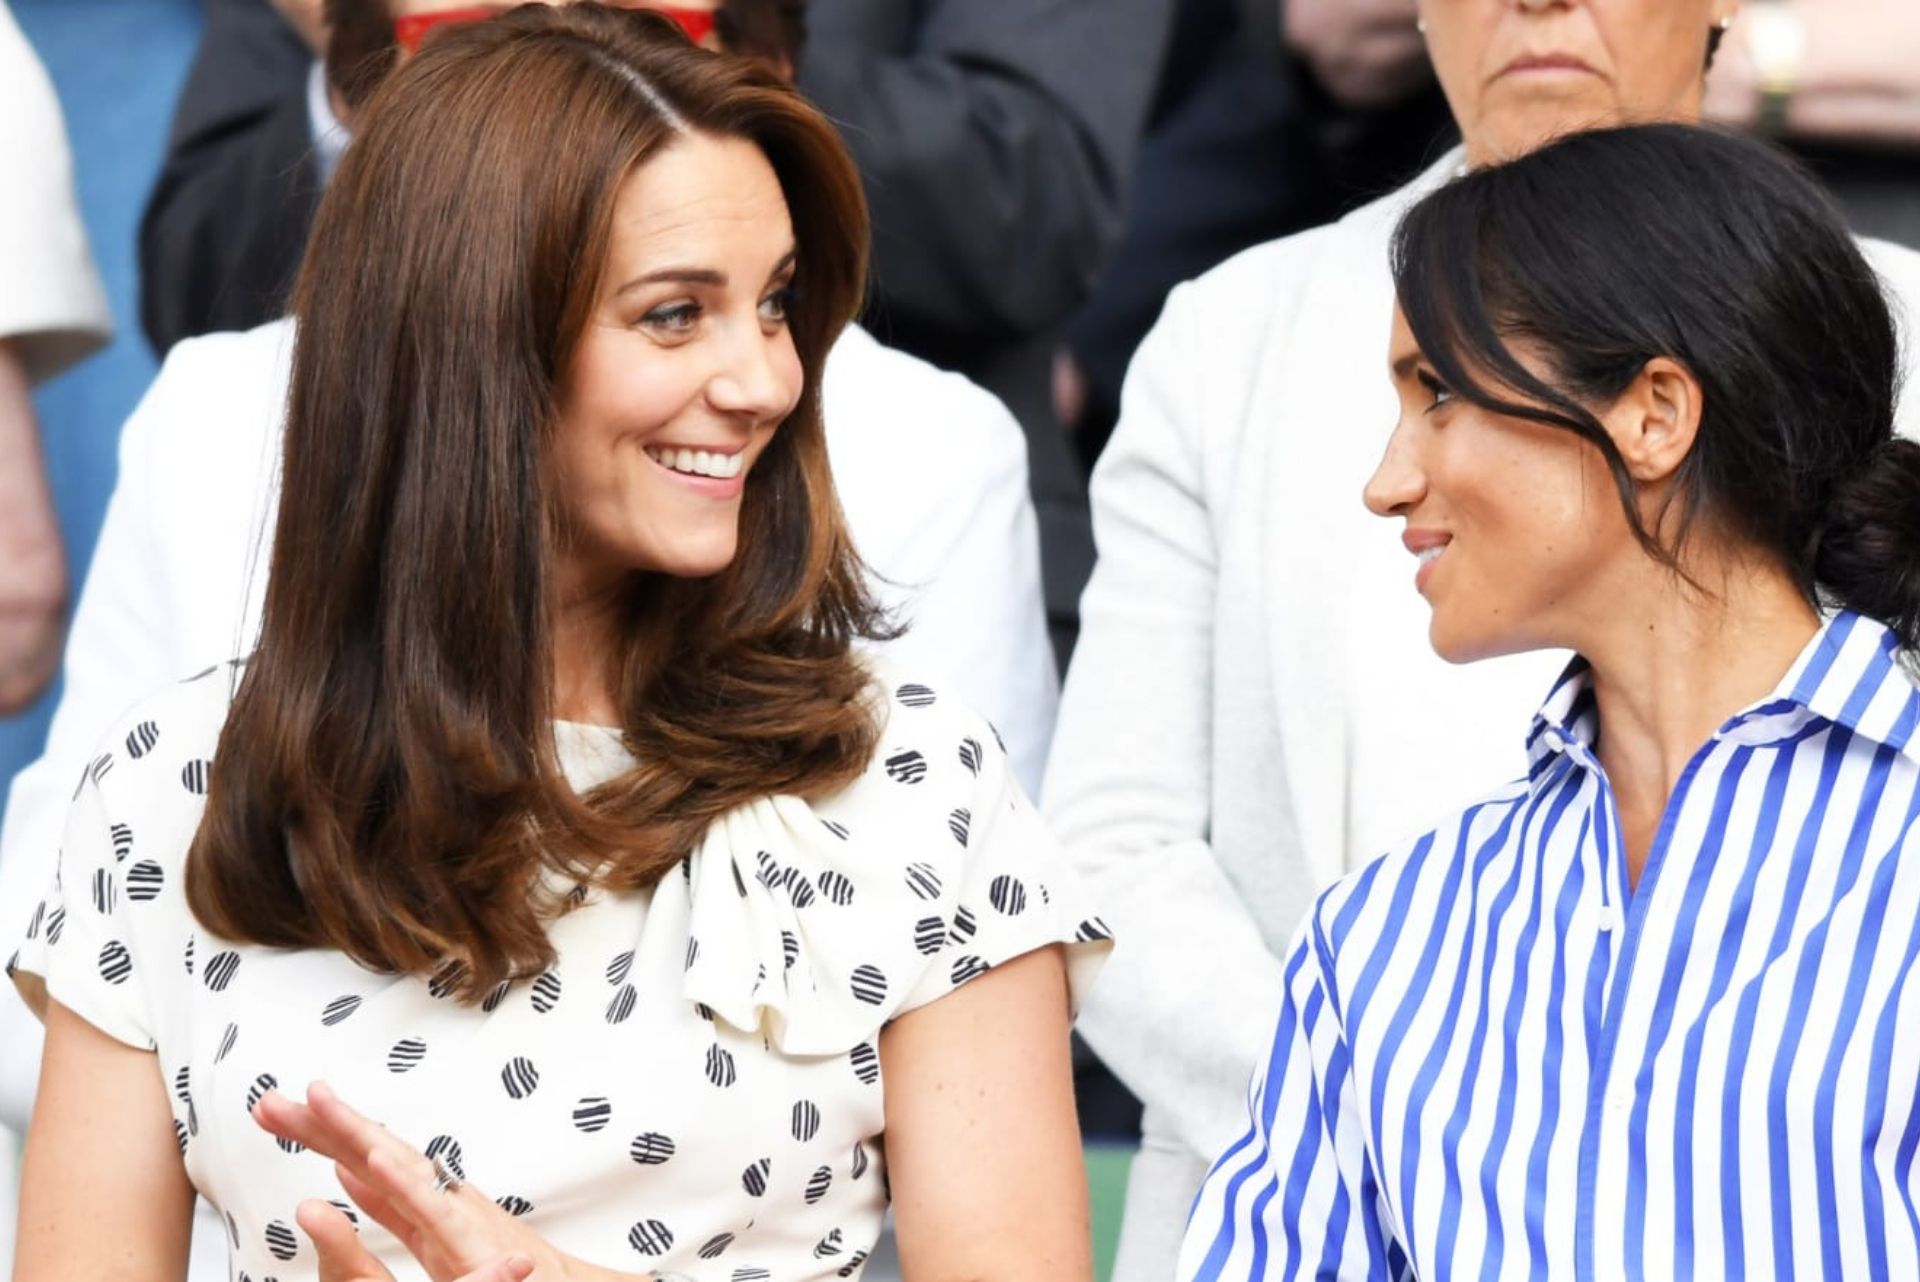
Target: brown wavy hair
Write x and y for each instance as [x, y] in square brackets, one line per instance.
[386, 783]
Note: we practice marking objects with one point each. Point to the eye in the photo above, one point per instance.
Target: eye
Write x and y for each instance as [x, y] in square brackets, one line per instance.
[776, 308]
[1441, 393]
[674, 319]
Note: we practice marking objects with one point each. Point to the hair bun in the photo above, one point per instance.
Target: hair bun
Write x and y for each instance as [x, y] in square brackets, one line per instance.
[1868, 558]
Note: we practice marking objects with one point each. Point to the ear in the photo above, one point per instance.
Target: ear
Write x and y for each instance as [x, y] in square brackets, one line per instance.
[1655, 422]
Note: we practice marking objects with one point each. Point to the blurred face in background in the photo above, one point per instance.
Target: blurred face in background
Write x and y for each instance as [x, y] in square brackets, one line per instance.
[410, 13]
[1520, 72]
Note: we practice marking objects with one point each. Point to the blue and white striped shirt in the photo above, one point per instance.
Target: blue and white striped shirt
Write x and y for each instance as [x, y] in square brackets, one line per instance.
[1497, 1061]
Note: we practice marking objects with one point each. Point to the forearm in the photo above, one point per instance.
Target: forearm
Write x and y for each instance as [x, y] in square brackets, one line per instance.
[33, 572]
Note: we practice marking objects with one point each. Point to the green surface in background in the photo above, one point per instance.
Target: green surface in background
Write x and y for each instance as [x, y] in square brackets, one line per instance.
[1107, 1166]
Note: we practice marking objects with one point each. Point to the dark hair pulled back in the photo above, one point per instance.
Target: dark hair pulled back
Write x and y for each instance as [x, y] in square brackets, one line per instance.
[1605, 250]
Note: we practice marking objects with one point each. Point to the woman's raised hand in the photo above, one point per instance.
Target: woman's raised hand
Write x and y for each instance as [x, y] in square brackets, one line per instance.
[454, 1231]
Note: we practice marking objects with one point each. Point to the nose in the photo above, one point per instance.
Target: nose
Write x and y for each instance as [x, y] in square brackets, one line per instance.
[758, 378]
[1398, 483]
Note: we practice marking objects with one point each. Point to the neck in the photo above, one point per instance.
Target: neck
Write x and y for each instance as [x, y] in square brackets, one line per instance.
[1673, 666]
[584, 626]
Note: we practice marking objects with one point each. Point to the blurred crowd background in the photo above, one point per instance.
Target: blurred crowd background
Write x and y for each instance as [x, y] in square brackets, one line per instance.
[1137, 143]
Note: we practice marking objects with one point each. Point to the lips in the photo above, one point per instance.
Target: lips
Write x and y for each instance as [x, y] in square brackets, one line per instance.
[1545, 62]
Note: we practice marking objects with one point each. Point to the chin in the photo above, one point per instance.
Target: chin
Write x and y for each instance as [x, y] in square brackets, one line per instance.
[1462, 645]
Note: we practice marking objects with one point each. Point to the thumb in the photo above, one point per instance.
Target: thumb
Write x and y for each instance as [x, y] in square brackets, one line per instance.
[342, 1258]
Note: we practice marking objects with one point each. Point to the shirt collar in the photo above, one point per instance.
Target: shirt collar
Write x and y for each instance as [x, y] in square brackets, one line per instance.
[1848, 675]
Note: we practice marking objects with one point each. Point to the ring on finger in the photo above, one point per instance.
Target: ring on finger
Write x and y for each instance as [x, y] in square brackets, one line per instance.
[445, 1178]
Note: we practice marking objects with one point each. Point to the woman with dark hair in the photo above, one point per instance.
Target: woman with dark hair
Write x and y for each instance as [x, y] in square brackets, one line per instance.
[1658, 1023]
[554, 818]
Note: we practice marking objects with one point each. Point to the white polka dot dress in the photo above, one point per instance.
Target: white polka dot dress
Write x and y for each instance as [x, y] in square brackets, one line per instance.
[694, 1087]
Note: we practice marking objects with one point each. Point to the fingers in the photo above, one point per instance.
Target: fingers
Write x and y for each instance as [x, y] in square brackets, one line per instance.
[341, 1256]
[512, 1268]
[406, 1182]
[378, 1208]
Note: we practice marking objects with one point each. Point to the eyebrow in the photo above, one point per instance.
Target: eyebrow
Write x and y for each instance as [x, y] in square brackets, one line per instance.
[699, 275]
[1404, 366]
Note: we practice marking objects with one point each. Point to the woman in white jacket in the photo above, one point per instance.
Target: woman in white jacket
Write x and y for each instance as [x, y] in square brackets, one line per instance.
[1253, 708]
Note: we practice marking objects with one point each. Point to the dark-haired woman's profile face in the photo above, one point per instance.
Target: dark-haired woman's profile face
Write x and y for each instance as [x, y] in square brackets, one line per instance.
[686, 367]
[1518, 72]
[1514, 528]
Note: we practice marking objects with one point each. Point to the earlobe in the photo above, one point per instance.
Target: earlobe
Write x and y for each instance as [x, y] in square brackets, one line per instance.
[1659, 420]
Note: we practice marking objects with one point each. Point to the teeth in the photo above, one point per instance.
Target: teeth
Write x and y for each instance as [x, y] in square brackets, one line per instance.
[699, 462]
[1431, 555]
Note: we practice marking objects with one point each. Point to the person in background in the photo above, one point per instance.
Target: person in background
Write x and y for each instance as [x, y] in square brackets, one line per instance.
[53, 312]
[1296, 723]
[1645, 1012]
[555, 815]
[1837, 81]
[1255, 132]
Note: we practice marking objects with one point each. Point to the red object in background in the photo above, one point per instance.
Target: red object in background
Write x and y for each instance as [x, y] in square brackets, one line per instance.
[409, 31]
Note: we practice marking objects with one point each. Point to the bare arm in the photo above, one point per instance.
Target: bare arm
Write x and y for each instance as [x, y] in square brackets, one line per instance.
[983, 1149]
[102, 1137]
[1858, 77]
[33, 567]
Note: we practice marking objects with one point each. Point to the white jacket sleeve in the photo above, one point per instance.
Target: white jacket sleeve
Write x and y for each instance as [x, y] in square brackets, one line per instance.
[1183, 1009]
[52, 306]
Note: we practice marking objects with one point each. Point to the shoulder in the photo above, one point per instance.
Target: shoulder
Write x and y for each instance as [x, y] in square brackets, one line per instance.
[222, 386]
[159, 754]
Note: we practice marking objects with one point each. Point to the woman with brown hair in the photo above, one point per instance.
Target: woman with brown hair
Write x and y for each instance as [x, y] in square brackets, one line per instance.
[554, 820]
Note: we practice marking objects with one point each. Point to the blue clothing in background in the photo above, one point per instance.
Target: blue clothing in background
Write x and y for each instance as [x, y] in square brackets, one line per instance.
[1498, 1059]
[118, 66]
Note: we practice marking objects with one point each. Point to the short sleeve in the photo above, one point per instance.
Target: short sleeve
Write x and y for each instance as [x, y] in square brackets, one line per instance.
[79, 946]
[1016, 892]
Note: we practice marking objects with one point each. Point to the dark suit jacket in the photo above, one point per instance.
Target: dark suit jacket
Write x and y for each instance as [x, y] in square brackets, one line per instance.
[997, 139]
[227, 221]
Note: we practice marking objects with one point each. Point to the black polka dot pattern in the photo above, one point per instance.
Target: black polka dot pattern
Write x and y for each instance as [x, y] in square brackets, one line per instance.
[621, 1007]
[789, 949]
[122, 837]
[447, 1149]
[546, 991]
[220, 969]
[520, 1077]
[869, 985]
[141, 738]
[145, 880]
[853, 1265]
[923, 880]
[818, 1183]
[514, 1206]
[115, 963]
[754, 1178]
[964, 925]
[491, 1002]
[929, 935]
[592, 1114]
[866, 1063]
[650, 1149]
[715, 1247]
[193, 777]
[281, 1241]
[751, 1275]
[1091, 930]
[228, 1040]
[105, 893]
[836, 888]
[907, 767]
[256, 1092]
[102, 766]
[915, 696]
[806, 1120]
[406, 1055]
[859, 1160]
[619, 967]
[837, 829]
[958, 823]
[1007, 895]
[966, 969]
[971, 756]
[720, 1070]
[650, 1237]
[338, 1010]
[56, 924]
[447, 979]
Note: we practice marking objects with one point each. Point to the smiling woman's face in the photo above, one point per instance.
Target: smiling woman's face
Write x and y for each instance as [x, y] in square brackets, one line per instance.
[1520, 72]
[686, 367]
[1512, 525]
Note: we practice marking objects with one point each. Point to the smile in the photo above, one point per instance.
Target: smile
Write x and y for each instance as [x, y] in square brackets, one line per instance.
[721, 467]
